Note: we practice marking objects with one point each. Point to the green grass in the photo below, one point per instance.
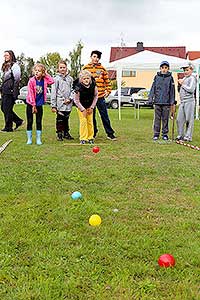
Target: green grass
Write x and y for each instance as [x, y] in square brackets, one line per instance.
[47, 248]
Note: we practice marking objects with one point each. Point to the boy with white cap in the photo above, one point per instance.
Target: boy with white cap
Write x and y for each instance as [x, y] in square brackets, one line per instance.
[185, 115]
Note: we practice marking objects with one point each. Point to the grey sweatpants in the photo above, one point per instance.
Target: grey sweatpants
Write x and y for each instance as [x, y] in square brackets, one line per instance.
[185, 117]
[161, 113]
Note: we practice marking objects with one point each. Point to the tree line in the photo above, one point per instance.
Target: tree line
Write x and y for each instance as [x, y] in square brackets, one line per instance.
[50, 60]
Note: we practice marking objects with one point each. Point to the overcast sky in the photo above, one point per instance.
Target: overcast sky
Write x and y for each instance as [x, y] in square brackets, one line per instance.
[36, 27]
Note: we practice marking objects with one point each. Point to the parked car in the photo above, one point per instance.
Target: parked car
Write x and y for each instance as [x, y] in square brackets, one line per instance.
[126, 93]
[24, 92]
[141, 98]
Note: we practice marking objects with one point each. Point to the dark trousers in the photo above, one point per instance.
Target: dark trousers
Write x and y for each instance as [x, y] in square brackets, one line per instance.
[161, 114]
[62, 121]
[29, 116]
[10, 116]
[102, 108]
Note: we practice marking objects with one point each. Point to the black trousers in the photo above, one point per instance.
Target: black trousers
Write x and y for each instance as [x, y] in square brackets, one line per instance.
[10, 116]
[102, 108]
[38, 115]
[62, 121]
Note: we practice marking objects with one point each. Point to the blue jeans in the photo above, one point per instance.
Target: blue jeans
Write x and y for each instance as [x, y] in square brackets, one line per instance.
[102, 108]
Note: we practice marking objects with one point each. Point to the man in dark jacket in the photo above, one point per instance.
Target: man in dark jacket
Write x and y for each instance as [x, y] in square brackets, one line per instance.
[162, 94]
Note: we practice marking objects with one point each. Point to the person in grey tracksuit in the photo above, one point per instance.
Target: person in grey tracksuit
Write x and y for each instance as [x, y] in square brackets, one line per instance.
[162, 94]
[185, 117]
[62, 100]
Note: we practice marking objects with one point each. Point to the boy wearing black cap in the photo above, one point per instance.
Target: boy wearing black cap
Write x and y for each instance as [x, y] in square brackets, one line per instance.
[162, 94]
[185, 115]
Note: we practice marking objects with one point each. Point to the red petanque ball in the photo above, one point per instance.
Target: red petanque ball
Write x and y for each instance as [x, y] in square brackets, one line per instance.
[166, 260]
[95, 149]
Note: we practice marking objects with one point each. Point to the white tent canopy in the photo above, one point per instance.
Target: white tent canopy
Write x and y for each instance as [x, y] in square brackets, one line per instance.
[143, 61]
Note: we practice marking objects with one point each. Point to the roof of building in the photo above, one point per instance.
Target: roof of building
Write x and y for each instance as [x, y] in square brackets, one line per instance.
[193, 55]
[121, 52]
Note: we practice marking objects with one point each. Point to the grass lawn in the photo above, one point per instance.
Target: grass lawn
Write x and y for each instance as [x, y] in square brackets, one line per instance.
[48, 250]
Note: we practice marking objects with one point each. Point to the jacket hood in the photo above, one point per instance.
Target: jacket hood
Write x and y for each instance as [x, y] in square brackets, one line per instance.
[164, 75]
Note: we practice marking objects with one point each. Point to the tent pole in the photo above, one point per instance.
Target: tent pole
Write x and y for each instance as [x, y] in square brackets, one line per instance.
[119, 84]
[197, 95]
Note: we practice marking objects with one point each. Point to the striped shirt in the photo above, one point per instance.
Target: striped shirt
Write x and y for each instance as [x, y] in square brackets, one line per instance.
[101, 77]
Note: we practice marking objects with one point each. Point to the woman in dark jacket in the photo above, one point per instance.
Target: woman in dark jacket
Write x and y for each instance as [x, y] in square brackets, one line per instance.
[10, 90]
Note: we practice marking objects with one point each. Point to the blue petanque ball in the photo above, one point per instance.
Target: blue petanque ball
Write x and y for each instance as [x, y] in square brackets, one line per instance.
[76, 195]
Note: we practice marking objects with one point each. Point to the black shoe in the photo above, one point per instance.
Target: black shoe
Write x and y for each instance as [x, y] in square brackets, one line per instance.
[111, 137]
[155, 138]
[83, 142]
[6, 130]
[165, 137]
[91, 141]
[59, 137]
[68, 136]
[179, 138]
[19, 124]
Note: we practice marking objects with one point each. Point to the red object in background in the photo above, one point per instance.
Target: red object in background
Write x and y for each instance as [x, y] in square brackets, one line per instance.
[95, 149]
[166, 260]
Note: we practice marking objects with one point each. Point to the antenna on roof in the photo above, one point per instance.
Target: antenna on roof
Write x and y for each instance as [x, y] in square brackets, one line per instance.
[122, 43]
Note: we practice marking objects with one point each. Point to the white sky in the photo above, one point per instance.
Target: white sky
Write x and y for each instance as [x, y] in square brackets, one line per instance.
[36, 27]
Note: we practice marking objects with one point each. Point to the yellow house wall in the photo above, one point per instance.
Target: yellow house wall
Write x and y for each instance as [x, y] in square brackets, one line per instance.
[145, 79]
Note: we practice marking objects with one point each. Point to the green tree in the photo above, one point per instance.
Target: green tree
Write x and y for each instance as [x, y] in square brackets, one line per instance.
[50, 60]
[75, 60]
[26, 65]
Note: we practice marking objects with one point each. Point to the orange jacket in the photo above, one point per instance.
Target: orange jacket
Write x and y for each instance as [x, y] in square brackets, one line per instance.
[101, 77]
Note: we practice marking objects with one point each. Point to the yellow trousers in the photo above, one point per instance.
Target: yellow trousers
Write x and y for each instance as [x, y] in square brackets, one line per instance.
[86, 128]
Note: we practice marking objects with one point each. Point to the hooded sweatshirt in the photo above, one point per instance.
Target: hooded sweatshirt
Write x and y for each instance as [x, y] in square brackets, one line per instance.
[60, 91]
[10, 82]
[162, 91]
[187, 89]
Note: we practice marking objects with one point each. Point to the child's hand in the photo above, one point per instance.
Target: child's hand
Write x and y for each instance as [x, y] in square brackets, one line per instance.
[67, 101]
[84, 112]
[180, 81]
[89, 111]
[34, 110]
[54, 110]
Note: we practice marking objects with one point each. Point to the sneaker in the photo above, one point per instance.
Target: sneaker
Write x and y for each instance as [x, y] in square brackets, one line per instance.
[179, 138]
[111, 137]
[91, 141]
[165, 137]
[155, 138]
[59, 137]
[187, 139]
[68, 136]
[19, 124]
[83, 142]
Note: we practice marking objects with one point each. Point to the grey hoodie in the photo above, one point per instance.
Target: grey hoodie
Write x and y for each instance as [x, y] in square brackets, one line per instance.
[60, 91]
[187, 89]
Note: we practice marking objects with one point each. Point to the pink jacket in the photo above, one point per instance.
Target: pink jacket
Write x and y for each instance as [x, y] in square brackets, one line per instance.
[31, 96]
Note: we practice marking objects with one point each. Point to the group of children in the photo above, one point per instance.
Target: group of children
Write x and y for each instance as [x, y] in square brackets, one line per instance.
[82, 91]
[88, 91]
[162, 95]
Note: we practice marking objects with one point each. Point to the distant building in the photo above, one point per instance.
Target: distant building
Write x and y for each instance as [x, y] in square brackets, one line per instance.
[121, 52]
[191, 55]
[142, 78]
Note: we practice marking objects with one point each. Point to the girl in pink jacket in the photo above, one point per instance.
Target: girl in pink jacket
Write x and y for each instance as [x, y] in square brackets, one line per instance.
[36, 98]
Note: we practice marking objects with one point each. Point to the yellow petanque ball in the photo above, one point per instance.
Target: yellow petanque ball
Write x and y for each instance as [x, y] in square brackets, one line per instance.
[95, 220]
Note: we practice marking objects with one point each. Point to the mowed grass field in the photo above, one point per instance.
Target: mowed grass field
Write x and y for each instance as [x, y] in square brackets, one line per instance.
[48, 250]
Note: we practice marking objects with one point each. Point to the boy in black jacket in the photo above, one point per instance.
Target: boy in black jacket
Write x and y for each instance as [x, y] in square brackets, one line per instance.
[162, 94]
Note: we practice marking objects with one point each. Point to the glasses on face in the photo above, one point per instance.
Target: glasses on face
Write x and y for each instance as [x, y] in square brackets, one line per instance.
[164, 67]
